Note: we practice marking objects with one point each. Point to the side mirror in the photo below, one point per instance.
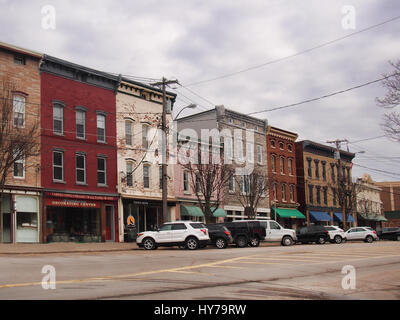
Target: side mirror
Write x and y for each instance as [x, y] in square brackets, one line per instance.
[158, 229]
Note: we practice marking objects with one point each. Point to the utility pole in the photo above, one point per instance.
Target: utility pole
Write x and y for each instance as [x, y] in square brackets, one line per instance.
[163, 83]
[340, 181]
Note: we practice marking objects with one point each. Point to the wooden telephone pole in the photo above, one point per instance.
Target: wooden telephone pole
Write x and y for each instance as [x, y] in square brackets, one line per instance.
[340, 181]
[164, 148]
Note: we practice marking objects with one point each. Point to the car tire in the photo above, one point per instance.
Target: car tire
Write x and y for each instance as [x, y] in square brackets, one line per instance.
[241, 242]
[321, 240]
[338, 239]
[287, 241]
[192, 243]
[149, 244]
[221, 243]
[254, 242]
[369, 239]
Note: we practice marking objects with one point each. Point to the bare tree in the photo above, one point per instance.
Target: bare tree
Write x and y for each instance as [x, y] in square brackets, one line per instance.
[208, 180]
[391, 120]
[252, 188]
[19, 132]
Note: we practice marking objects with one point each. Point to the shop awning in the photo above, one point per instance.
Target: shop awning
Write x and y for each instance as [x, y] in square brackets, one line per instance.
[339, 216]
[320, 216]
[289, 213]
[192, 211]
[378, 217]
[219, 212]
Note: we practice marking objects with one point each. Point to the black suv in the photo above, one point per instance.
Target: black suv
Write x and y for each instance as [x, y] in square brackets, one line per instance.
[246, 233]
[313, 233]
[389, 234]
[219, 235]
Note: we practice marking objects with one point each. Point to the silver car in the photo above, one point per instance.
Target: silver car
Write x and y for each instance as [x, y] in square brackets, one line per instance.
[361, 233]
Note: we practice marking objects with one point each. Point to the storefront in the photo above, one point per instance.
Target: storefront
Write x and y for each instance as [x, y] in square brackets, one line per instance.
[20, 218]
[194, 213]
[80, 218]
[375, 221]
[288, 218]
[235, 213]
[338, 220]
[320, 218]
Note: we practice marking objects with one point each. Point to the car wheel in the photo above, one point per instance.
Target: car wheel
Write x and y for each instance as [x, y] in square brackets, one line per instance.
[221, 243]
[241, 242]
[192, 243]
[149, 244]
[287, 241]
[338, 239]
[321, 240]
[369, 239]
[254, 242]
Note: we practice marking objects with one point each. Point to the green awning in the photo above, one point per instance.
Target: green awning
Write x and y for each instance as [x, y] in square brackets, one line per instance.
[373, 217]
[289, 213]
[191, 211]
[219, 212]
[380, 218]
[392, 214]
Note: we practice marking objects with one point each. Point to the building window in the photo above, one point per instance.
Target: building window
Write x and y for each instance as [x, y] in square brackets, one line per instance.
[259, 154]
[232, 183]
[282, 164]
[283, 190]
[128, 133]
[197, 183]
[19, 111]
[273, 163]
[244, 184]
[309, 168]
[101, 171]
[316, 168]
[19, 59]
[324, 171]
[101, 128]
[319, 195]
[146, 176]
[348, 175]
[58, 119]
[129, 173]
[58, 166]
[239, 150]
[291, 191]
[272, 143]
[334, 196]
[325, 196]
[289, 147]
[80, 168]
[261, 186]
[145, 142]
[229, 147]
[19, 166]
[310, 191]
[333, 172]
[290, 166]
[281, 146]
[250, 152]
[186, 181]
[80, 124]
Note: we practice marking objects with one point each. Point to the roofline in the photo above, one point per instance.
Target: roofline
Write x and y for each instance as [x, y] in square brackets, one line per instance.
[196, 114]
[123, 79]
[306, 143]
[283, 131]
[14, 48]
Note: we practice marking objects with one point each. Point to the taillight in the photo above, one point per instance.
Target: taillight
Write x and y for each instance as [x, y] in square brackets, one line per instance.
[227, 233]
[139, 234]
[374, 232]
[204, 231]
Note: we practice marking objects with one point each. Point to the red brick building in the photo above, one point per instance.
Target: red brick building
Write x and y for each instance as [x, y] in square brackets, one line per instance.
[79, 153]
[21, 198]
[282, 177]
[390, 196]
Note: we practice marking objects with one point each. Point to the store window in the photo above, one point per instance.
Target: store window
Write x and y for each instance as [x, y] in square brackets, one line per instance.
[27, 219]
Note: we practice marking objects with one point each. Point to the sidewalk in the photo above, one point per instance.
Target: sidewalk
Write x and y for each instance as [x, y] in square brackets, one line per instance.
[64, 247]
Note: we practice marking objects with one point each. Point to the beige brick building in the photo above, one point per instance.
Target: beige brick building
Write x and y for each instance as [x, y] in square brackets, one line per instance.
[21, 202]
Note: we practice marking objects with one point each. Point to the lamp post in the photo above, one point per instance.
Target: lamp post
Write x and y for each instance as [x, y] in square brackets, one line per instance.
[190, 106]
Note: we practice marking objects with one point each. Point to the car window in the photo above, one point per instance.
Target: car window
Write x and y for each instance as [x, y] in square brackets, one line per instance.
[166, 227]
[264, 224]
[179, 226]
[350, 230]
[274, 225]
[368, 228]
[330, 228]
[197, 225]
[359, 230]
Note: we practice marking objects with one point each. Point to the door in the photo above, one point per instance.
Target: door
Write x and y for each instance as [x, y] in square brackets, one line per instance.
[179, 231]
[350, 234]
[274, 233]
[164, 234]
[110, 223]
[6, 228]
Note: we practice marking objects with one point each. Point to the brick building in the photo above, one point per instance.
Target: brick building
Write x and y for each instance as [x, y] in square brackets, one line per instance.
[317, 177]
[79, 153]
[390, 196]
[21, 198]
[282, 177]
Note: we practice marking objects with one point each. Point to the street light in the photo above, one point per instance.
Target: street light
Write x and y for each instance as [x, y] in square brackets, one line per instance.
[190, 106]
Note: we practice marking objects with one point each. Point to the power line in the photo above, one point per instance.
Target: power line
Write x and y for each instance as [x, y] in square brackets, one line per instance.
[292, 55]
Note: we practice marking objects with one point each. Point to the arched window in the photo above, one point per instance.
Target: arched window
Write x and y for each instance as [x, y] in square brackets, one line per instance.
[128, 132]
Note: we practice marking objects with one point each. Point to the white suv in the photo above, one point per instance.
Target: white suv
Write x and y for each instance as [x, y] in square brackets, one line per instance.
[361, 233]
[191, 235]
[336, 234]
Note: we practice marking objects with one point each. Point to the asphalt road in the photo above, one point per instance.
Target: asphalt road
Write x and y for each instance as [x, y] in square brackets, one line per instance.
[268, 272]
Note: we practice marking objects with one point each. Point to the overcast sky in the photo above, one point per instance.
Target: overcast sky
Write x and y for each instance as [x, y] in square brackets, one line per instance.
[200, 40]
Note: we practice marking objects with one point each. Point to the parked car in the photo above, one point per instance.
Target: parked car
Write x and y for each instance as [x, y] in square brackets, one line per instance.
[219, 235]
[361, 233]
[246, 233]
[389, 234]
[191, 235]
[276, 233]
[336, 234]
[313, 233]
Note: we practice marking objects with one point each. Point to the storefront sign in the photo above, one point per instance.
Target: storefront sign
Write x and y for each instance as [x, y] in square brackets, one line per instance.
[81, 196]
[71, 203]
[131, 221]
